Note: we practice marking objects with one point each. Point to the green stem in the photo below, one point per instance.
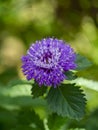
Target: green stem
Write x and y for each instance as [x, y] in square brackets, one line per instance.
[45, 124]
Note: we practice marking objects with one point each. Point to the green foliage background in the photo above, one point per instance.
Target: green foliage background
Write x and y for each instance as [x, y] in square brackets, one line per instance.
[21, 23]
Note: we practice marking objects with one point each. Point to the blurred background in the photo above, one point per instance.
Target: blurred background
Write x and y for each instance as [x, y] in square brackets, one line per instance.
[22, 22]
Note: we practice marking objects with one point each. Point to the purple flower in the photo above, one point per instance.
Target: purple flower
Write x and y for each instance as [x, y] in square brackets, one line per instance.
[47, 60]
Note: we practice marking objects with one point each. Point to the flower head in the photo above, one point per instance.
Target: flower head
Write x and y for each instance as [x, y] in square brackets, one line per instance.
[47, 60]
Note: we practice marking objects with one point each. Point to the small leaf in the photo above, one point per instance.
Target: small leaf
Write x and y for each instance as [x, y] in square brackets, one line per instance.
[67, 100]
[37, 91]
[70, 75]
[82, 62]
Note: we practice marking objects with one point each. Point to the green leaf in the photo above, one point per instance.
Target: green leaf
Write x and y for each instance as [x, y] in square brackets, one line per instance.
[82, 62]
[27, 117]
[19, 82]
[16, 88]
[21, 101]
[37, 91]
[91, 123]
[91, 84]
[77, 129]
[56, 122]
[70, 75]
[19, 95]
[22, 127]
[7, 117]
[67, 100]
